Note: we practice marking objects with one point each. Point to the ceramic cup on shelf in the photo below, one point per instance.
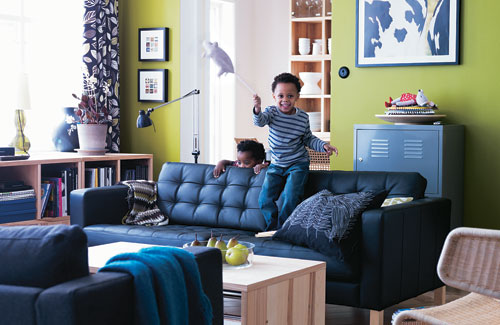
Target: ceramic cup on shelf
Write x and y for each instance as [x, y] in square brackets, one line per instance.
[310, 80]
[316, 50]
[304, 46]
[330, 45]
[314, 121]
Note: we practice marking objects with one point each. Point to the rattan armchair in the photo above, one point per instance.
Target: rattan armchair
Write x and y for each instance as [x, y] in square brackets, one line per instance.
[470, 261]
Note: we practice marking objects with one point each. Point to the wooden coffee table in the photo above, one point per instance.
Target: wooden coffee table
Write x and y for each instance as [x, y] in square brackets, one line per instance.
[274, 290]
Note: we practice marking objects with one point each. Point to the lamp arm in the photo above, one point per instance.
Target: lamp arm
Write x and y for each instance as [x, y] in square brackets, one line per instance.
[192, 92]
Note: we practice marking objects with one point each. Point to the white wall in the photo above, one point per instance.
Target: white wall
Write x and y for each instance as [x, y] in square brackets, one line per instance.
[262, 52]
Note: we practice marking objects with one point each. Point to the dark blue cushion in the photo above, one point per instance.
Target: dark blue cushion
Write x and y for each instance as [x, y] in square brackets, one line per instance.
[42, 256]
[329, 223]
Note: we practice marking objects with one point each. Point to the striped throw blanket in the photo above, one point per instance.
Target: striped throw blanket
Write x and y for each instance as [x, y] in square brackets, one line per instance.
[143, 210]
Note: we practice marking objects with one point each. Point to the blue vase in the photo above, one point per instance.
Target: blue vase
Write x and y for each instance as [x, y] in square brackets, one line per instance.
[63, 139]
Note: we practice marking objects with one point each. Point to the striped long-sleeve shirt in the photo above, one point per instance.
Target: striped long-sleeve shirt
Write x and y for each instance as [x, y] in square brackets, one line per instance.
[288, 135]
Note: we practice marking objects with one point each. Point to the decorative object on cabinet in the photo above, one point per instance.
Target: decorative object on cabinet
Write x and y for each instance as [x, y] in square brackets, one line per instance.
[411, 119]
[92, 139]
[152, 85]
[64, 137]
[435, 151]
[153, 44]
[310, 80]
[21, 141]
[144, 120]
[389, 34]
[310, 22]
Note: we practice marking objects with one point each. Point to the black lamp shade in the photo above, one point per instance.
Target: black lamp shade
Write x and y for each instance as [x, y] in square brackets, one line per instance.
[143, 119]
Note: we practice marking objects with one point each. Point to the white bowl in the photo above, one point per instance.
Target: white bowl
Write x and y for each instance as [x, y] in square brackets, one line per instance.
[315, 121]
[310, 80]
[304, 50]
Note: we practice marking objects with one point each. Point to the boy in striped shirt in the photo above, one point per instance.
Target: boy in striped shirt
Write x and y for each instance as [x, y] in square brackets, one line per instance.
[289, 134]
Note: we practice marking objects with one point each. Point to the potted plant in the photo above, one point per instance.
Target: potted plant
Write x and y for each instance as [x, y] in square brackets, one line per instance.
[92, 116]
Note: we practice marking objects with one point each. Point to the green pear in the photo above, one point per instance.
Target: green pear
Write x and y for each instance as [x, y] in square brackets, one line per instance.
[211, 242]
[195, 242]
[232, 242]
[220, 244]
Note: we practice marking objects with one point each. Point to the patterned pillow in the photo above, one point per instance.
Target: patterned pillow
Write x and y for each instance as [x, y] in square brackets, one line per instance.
[325, 221]
[396, 200]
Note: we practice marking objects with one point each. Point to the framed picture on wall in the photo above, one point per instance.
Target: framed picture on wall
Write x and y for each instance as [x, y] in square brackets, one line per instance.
[402, 32]
[152, 85]
[153, 44]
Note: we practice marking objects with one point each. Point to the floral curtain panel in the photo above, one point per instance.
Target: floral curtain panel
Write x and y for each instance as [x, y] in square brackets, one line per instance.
[101, 60]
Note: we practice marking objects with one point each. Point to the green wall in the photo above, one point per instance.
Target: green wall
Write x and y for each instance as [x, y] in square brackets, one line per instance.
[165, 143]
[466, 93]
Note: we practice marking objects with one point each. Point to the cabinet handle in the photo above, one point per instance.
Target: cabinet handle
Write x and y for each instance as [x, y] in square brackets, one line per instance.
[360, 158]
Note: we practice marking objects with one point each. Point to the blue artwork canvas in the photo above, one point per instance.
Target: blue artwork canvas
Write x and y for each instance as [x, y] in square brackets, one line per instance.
[406, 32]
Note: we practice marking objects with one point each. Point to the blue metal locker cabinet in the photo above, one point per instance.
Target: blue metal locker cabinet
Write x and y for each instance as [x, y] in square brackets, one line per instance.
[435, 151]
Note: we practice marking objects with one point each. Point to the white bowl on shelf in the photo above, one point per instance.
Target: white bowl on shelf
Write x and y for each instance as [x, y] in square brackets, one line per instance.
[314, 121]
[310, 80]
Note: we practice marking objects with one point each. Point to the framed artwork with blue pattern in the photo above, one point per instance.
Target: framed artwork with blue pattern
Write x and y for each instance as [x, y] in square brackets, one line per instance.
[153, 44]
[407, 32]
[152, 85]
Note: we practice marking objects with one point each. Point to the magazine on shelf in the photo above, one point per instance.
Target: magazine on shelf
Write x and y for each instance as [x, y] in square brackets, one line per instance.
[45, 195]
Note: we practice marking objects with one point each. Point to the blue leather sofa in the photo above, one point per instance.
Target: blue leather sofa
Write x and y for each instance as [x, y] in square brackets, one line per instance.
[44, 279]
[398, 247]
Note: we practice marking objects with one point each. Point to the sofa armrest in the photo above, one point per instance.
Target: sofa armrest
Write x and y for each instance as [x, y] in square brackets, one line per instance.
[17, 304]
[210, 266]
[100, 205]
[401, 245]
[102, 298]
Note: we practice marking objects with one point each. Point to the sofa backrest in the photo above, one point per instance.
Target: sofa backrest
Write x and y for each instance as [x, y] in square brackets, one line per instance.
[397, 184]
[42, 256]
[190, 195]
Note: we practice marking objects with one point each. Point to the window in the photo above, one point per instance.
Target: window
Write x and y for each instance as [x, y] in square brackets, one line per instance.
[43, 39]
[222, 89]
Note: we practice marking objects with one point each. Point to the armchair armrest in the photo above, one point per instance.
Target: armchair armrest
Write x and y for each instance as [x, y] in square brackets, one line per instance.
[100, 205]
[102, 298]
[401, 245]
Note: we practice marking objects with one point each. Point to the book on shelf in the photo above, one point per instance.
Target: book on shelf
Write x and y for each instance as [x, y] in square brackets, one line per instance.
[18, 215]
[15, 185]
[56, 196]
[99, 176]
[17, 205]
[45, 195]
[15, 195]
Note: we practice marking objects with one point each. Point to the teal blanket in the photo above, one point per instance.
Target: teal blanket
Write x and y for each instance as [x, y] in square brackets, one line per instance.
[167, 285]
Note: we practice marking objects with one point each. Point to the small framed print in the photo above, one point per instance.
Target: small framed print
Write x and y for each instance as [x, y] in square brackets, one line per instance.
[152, 85]
[153, 44]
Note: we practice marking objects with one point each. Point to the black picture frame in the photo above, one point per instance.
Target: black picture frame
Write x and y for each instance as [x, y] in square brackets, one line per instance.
[152, 85]
[153, 44]
[410, 38]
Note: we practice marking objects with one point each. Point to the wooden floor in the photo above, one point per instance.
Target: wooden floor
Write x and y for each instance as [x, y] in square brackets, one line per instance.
[341, 315]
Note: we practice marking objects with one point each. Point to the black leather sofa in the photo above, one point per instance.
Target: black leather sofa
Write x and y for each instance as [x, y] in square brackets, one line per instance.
[398, 249]
[44, 279]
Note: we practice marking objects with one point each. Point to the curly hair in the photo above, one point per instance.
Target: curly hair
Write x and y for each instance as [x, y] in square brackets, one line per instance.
[286, 77]
[256, 148]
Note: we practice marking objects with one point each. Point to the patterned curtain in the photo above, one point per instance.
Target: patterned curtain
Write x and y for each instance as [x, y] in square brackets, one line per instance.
[101, 59]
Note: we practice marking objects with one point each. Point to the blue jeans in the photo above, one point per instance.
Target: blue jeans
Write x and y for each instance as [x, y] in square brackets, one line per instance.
[291, 181]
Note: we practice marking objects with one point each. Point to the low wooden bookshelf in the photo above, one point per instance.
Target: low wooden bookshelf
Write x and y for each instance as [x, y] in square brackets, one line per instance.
[32, 170]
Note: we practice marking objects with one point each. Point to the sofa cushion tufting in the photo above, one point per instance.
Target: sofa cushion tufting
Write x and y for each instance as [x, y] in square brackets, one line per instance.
[194, 197]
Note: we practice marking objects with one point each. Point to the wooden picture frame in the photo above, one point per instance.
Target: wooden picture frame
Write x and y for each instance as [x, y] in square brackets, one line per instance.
[153, 44]
[152, 85]
[395, 33]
